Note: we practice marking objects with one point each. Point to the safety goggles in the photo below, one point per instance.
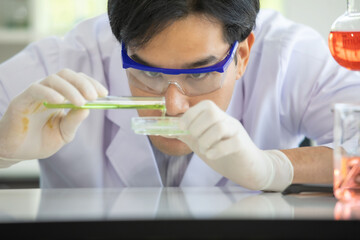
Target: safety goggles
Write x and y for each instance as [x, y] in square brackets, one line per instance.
[190, 82]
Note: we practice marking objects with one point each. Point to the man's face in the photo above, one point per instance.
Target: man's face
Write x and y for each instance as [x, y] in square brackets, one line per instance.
[183, 43]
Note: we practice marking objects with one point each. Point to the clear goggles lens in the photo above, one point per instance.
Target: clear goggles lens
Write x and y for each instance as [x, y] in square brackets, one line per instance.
[188, 84]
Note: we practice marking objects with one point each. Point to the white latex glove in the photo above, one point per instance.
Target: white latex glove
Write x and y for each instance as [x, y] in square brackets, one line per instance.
[28, 130]
[222, 142]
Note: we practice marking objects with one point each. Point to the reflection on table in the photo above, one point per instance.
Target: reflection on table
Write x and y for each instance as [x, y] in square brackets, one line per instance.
[347, 210]
[40, 205]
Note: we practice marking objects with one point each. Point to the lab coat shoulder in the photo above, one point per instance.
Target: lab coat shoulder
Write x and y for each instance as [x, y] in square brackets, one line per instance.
[87, 48]
[292, 82]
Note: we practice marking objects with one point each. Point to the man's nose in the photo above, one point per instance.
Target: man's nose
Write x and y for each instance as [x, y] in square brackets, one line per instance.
[176, 102]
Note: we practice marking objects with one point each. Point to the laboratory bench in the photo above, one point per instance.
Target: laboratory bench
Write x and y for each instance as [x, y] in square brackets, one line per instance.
[25, 174]
[174, 213]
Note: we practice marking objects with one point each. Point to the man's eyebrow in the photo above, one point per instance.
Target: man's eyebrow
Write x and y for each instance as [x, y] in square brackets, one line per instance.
[200, 63]
[137, 59]
[203, 62]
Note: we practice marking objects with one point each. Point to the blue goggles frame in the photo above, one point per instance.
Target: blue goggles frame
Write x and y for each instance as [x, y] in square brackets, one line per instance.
[218, 67]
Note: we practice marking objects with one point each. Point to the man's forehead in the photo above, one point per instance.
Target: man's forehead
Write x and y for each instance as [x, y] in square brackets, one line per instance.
[191, 33]
[188, 42]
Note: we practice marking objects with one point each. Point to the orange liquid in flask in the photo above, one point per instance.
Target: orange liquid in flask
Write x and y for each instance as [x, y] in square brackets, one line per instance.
[345, 48]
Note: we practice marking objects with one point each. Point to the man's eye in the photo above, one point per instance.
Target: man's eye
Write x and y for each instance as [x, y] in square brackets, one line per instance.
[152, 74]
[198, 75]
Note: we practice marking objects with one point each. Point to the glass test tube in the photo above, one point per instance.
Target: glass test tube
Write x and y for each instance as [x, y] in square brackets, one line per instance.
[112, 102]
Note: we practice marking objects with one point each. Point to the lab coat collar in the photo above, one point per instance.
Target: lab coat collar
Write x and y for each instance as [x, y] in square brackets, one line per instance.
[130, 154]
[133, 159]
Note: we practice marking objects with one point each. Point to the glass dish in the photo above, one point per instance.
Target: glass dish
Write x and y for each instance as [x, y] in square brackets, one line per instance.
[157, 126]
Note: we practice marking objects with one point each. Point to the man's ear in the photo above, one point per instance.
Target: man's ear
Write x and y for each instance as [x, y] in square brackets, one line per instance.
[243, 54]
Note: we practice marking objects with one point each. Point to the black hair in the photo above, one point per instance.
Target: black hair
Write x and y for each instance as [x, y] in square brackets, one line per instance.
[135, 22]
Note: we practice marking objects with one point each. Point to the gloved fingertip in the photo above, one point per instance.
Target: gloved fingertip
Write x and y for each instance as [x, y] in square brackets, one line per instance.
[184, 138]
[86, 112]
[79, 102]
[103, 92]
[91, 95]
[203, 151]
[106, 92]
[209, 155]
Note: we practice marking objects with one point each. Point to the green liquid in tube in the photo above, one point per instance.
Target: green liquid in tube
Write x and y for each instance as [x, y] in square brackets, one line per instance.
[112, 102]
[106, 106]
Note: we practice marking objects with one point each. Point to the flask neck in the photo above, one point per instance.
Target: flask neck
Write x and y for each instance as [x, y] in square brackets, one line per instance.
[353, 6]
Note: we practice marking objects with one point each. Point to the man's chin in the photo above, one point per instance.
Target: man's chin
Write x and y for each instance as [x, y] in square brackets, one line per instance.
[170, 146]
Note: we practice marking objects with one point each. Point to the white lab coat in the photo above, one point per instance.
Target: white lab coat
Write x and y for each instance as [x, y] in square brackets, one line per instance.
[285, 94]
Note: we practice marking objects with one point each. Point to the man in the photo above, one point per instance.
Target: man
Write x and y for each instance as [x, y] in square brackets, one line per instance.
[247, 98]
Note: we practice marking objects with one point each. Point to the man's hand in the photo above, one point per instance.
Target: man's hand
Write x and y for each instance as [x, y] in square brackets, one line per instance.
[222, 142]
[28, 130]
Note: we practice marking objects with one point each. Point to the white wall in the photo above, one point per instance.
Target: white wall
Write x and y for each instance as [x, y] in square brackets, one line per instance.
[319, 14]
